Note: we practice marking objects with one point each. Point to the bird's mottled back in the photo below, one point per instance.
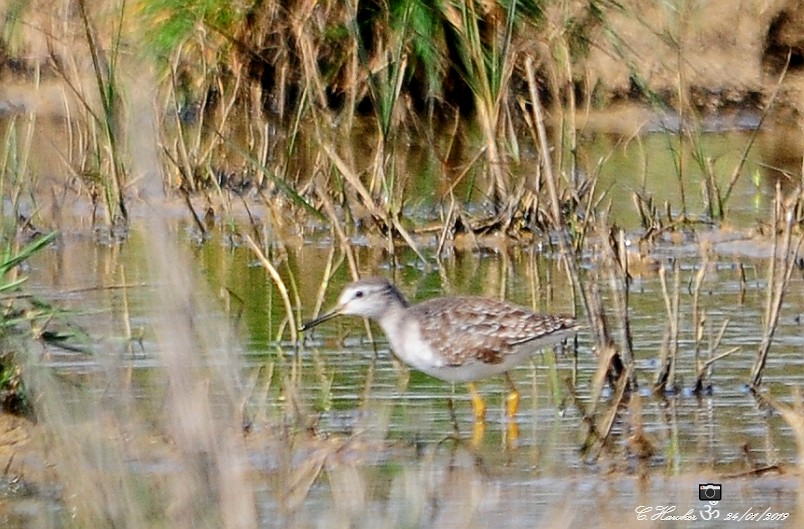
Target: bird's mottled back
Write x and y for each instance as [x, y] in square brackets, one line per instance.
[465, 329]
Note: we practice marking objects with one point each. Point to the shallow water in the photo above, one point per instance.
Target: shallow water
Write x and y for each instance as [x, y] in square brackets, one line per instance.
[348, 387]
[351, 384]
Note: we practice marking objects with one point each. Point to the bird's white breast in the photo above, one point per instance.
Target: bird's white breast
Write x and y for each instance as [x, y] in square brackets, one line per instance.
[407, 343]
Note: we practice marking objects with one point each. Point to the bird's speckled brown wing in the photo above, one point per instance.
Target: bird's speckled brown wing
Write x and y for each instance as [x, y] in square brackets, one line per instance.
[466, 329]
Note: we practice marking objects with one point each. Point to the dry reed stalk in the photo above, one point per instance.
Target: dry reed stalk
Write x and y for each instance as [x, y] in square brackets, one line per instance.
[280, 285]
[570, 111]
[379, 216]
[593, 205]
[702, 369]
[665, 374]
[199, 223]
[619, 286]
[309, 56]
[544, 151]
[325, 278]
[354, 182]
[743, 285]
[698, 319]
[596, 433]
[780, 269]
[465, 171]
[447, 230]
[595, 313]
[346, 247]
[182, 162]
[606, 263]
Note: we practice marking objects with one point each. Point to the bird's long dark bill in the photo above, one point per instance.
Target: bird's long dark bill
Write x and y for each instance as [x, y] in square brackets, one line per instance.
[321, 319]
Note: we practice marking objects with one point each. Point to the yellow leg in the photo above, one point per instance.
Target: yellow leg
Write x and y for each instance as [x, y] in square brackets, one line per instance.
[478, 431]
[511, 434]
[512, 401]
[478, 404]
[511, 407]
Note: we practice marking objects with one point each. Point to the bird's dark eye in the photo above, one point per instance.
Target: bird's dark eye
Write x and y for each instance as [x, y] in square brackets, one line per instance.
[359, 294]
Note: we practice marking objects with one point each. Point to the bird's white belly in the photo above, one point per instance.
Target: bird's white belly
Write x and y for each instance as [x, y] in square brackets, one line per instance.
[408, 346]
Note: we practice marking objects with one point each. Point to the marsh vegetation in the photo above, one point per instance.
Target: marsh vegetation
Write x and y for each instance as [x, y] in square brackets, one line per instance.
[185, 182]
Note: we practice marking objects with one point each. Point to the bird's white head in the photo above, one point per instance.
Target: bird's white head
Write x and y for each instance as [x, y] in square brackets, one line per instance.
[370, 298]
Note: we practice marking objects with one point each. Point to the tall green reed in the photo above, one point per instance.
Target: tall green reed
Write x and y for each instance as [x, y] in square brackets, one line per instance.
[110, 154]
[488, 62]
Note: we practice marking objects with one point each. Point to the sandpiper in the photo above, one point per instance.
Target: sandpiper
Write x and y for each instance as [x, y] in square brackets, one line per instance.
[456, 338]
